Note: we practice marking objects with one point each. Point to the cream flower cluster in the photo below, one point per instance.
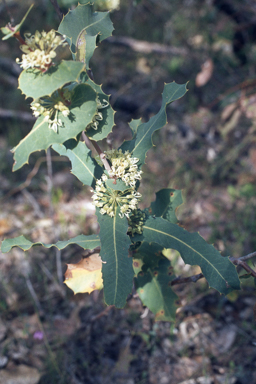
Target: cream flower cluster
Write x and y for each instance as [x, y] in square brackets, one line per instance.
[51, 106]
[107, 199]
[39, 50]
[123, 166]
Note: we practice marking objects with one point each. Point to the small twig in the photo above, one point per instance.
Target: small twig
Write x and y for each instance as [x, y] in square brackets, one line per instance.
[102, 156]
[49, 181]
[33, 202]
[51, 211]
[58, 287]
[240, 261]
[103, 313]
[58, 266]
[190, 279]
[243, 258]
[87, 140]
[245, 266]
[33, 293]
[57, 8]
[99, 151]
[31, 175]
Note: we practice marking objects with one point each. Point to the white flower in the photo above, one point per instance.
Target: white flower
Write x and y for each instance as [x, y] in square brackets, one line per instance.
[123, 167]
[51, 106]
[54, 124]
[39, 50]
[66, 112]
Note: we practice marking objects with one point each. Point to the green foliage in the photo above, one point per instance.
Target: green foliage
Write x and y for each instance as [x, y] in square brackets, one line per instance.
[154, 289]
[69, 106]
[83, 109]
[153, 281]
[117, 268]
[142, 139]
[219, 271]
[166, 203]
[82, 28]
[36, 84]
[84, 167]
[106, 124]
[86, 242]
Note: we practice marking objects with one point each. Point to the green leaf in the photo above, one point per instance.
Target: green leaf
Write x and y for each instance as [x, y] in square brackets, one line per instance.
[166, 203]
[142, 140]
[82, 27]
[86, 242]
[106, 124]
[37, 84]
[84, 167]
[117, 268]
[134, 124]
[150, 254]
[154, 289]
[11, 31]
[219, 271]
[83, 109]
[153, 281]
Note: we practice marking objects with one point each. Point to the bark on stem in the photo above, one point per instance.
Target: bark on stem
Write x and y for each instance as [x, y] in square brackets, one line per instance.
[57, 8]
[99, 151]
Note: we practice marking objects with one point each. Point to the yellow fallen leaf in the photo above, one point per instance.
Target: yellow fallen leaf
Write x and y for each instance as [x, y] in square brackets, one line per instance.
[85, 276]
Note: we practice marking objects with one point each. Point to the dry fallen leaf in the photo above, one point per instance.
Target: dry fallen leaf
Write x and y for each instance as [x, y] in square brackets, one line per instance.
[5, 226]
[205, 74]
[85, 276]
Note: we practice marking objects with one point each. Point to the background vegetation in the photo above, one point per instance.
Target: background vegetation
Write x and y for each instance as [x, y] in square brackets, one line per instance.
[208, 149]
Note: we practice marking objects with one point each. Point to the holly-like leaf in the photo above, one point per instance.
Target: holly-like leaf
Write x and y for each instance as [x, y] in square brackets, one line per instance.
[82, 111]
[166, 203]
[85, 276]
[86, 242]
[36, 84]
[117, 268]
[154, 289]
[106, 124]
[82, 27]
[142, 140]
[219, 271]
[84, 167]
[154, 275]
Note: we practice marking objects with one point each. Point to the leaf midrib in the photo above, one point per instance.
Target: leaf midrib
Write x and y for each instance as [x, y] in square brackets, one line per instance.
[115, 253]
[83, 164]
[188, 246]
